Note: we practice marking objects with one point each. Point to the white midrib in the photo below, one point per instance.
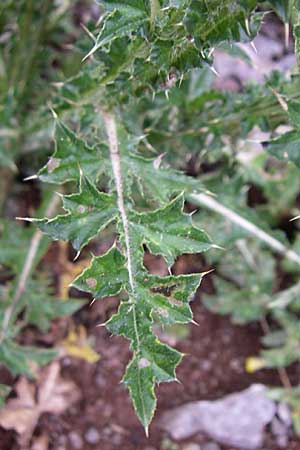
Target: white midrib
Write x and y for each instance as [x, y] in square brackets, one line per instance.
[112, 135]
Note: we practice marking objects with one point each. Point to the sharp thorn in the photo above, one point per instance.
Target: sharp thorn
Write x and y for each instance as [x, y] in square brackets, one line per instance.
[26, 219]
[76, 256]
[286, 35]
[211, 52]
[88, 32]
[247, 26]
[214, 71]
[31, 177]
[254, 47]
[53, 113]
[90, 53]
[203, 274]
[254, 141]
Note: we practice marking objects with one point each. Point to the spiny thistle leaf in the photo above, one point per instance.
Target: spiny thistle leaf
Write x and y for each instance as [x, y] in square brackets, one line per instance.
[168, 231]
[70, 152]
[285, 147]
[89, 212]
[171, 40]
[165, 299]
[211, 22]
[117, 25]
[106, 275]
[154, 178]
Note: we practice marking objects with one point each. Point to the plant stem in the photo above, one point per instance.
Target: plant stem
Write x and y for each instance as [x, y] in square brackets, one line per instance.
[214, 205]
[111, 130]
[112, 136]
[282, 372]
[25, 274]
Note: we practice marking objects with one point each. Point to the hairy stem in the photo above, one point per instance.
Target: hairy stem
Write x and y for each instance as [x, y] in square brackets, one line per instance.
[154, 7]
[214, 205]
[25, 274]
[111, 130]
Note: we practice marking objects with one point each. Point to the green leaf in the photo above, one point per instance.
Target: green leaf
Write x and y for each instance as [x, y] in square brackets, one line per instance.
[212, 22]
[140, 381]
[285, 147]
[282, 8]
[164, 298]
[125, 17]
[152, 362]
[155, 179]
[294, 113]
[17, 357]
[126, 7]
[4, 392]
[42, 308]
[168, 231]
[70, 153]
[106, 275]
[155, 363]
[170, 296]
[89, 212]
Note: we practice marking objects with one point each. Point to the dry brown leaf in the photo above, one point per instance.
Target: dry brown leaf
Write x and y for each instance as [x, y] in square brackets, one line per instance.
[52, 395]
[79, 345]
[68, 270]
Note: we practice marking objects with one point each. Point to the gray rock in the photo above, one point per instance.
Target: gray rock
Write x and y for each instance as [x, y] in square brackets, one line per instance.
[92, 436]
[238, 419]
[284, 414]
[75, 440]
[210, 446]
[278, 428]
[280, 431]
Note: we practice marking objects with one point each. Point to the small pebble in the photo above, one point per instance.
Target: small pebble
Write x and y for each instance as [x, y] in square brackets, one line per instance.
[191, 446]
[282, 441]
[206, 365]
[92, 436]
[75, 440]
[62, 440]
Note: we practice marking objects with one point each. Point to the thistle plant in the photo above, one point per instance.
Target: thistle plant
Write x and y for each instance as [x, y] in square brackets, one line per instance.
[141, 48]
[120, 124]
